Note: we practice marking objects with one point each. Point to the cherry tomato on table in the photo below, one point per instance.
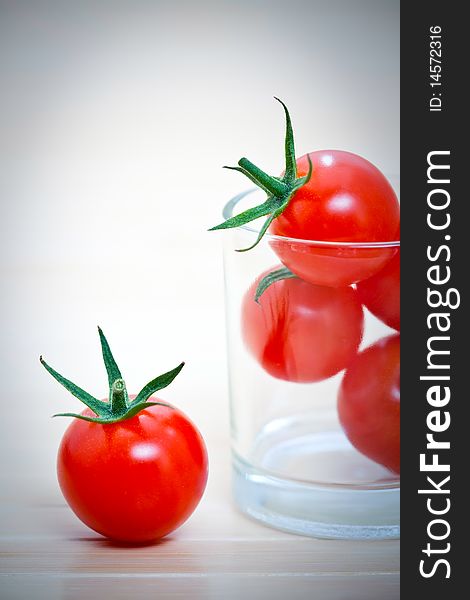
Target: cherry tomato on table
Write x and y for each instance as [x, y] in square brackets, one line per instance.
[369, 402]
[301, 332]
[381, 293]
[132, 468]
[135, 480]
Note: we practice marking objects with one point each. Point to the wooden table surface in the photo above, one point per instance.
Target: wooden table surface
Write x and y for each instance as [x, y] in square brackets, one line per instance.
[46, 553]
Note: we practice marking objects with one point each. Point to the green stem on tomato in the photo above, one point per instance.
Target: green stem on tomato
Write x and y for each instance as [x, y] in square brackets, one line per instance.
[119, 408]
[279, 190]
[274, 185]
[270, 278]
[119, 398]
[111, 367]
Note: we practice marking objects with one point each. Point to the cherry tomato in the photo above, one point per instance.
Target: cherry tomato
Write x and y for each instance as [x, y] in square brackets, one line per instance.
[347, 199]
[134, 480]
[302, 332]
[381, 293]
[369, 402]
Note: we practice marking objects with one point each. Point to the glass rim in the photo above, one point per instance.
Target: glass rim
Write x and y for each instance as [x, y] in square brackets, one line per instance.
[227, 213]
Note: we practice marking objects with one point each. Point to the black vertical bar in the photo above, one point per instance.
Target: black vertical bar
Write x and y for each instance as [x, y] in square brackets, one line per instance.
[433, 121]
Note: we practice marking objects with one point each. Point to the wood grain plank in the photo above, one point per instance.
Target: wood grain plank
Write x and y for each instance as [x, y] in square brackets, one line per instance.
[89, 555]
[49, 539]
[208, 587]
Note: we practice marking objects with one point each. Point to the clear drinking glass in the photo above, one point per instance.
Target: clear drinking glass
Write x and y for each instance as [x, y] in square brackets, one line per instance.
[293, 466]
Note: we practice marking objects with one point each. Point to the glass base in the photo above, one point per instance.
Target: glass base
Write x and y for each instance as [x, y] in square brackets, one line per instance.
[364, 505]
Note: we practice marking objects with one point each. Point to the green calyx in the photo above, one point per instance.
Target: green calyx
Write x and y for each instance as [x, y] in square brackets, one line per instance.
[270, 278]
[278, 190]
[119, 407]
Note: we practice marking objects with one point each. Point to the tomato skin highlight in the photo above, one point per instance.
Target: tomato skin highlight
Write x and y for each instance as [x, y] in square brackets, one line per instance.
[381, 293]
[301, 332]
[369, 402]
[346, 200]
[135, 480]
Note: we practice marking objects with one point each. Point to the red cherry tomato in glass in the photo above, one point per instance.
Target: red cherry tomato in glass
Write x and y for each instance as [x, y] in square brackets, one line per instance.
[381, 293]
[346, 200]
[302, 332]
[134, 480]
[369, 402]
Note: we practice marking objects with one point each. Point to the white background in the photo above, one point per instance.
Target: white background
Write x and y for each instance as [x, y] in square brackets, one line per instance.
[116, 118]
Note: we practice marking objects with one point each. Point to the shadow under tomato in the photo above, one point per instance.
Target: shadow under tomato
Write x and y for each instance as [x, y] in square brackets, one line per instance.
[109, 543]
